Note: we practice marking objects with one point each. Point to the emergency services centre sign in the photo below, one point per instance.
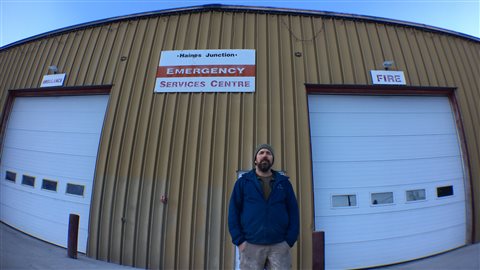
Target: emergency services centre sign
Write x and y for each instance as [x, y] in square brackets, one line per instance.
[206, 71]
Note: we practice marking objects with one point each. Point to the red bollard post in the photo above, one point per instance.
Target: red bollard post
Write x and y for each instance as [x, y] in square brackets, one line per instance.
[318, 251]
[73, 236]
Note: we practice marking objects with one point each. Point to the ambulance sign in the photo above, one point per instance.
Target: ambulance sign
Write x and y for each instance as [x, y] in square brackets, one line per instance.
[53, 80]
[206, 71]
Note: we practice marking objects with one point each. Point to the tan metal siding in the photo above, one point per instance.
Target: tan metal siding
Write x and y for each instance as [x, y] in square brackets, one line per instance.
[62, 56]
[6, 64]
[22, 65]
[14, 71]
[188, 146]
[100, 55]
[33, 64]
[23, 53]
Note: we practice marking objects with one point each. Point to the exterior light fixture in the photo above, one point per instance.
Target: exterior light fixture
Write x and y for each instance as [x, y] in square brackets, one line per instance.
[388, 64]
[53, 69]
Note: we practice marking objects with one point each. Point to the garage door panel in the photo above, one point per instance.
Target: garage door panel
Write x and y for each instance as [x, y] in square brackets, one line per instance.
[77, 167]
[387, 173]
[61, 185]
[367, 173]
[390, 251]
[36, 227]
[61, 104]
[53, 138]
[42, 228]
[56, 122]
[363, 206]
[379, 104]
[392, 224]
[42, 141]
[351, 124]
[29, 200]
[383, 148]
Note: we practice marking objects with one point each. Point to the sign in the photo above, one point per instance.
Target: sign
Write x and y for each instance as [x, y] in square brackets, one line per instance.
[387, 77]
[206, 71]
[53, 80]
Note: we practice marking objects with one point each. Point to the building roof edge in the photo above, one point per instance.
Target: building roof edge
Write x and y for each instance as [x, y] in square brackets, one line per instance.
[221, 7]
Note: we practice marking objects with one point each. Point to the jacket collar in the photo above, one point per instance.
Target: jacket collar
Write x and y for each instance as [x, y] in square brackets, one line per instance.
[251, 175]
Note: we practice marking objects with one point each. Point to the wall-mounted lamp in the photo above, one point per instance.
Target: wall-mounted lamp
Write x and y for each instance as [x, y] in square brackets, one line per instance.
[53, 69]
[388, 64]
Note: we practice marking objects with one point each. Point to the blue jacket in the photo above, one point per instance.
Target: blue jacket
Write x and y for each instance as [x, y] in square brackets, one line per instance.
[258, 221]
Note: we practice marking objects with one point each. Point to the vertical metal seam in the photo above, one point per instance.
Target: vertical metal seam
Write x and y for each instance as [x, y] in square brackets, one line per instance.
[465, 82]
[9, 67]
[196, 182]
[111, 113]
[411, 50]
[67, 46]
[135, 138]
[362, 56]
[76, 44]
[401, 53]
[124, 135]
[431, 72]
[110, 51]
[117, 159]
[28, 57]
[422, 58]
[144, 162]
[20, 64]
[351, 39]
[86, 57]
[99, 42]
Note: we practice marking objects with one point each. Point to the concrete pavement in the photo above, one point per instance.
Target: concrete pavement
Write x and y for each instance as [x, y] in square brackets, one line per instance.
[20, 251]
[464, 258]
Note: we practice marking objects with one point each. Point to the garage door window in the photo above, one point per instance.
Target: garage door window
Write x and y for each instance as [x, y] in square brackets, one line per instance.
[382, 198]
[416, 195]
[75, 189]
[444, 191]
[28, 180]
[10, 176]
[344, 200]
[49, 185]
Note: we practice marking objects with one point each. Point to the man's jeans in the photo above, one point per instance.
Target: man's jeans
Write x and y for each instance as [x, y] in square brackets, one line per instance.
[258, 257]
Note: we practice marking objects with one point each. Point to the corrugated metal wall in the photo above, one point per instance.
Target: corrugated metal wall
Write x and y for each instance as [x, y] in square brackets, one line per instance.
[189, 146]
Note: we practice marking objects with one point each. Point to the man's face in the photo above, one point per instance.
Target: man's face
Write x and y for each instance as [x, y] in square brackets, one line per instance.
[264, 160]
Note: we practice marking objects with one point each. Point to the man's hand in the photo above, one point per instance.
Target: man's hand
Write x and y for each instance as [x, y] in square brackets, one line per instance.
[242, 246]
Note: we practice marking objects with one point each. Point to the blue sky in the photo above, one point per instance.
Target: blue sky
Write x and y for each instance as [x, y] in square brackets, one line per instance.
[21, 19]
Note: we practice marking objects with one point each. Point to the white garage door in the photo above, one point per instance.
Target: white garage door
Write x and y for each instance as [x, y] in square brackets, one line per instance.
[47, 165]
[388, 178]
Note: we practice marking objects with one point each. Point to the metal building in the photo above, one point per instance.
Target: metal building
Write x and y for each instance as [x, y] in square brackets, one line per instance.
[376, 160]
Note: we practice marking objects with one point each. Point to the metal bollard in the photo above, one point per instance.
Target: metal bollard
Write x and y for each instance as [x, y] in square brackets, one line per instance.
[73, 236]
[318, 250]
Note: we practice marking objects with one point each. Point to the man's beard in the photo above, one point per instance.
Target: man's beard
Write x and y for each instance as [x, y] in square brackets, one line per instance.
[264, 165]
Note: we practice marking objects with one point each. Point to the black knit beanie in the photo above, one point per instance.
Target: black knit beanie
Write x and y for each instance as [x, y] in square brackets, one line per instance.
[263, 146]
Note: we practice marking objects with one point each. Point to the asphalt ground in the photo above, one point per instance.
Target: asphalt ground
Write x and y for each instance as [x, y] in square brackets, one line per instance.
[21, 251]
[463, 258]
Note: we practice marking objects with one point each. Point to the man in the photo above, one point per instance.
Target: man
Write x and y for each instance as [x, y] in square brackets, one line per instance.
[263, 216]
